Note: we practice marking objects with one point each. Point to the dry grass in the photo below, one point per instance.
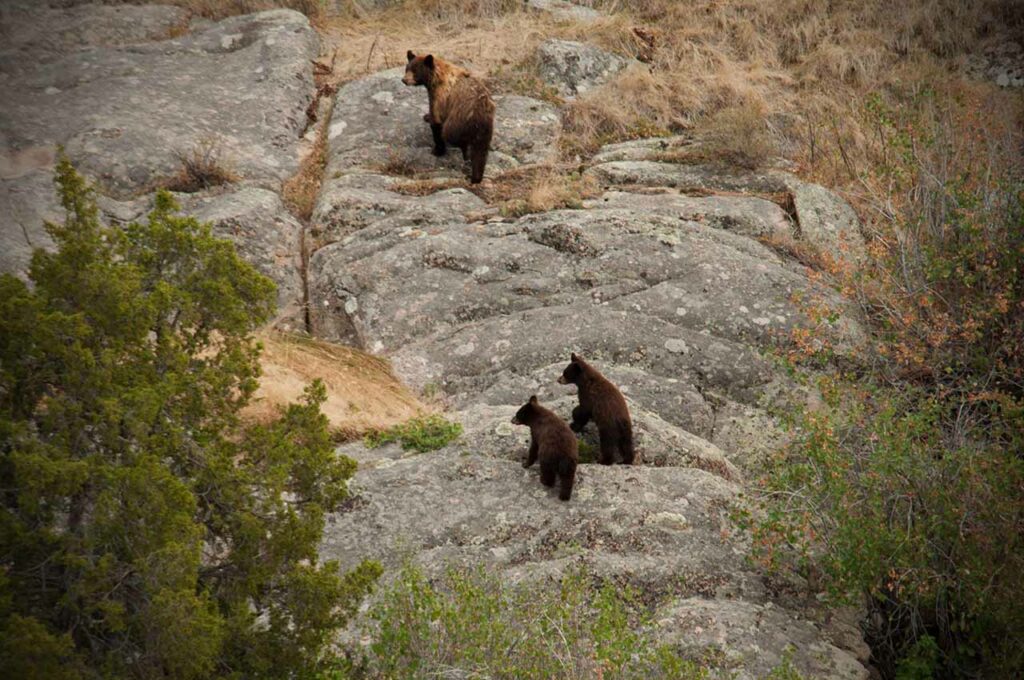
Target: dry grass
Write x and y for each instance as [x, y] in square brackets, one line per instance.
[218, 9]
[362, 392]
[202, 167]
[300, 191]
[805, 66]
[538, 189]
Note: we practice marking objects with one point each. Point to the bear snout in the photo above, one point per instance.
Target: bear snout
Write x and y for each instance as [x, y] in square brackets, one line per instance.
[562, 380]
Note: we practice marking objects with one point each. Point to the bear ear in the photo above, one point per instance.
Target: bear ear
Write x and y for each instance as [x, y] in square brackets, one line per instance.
[429, 61]
[573, 357]
[410, 55]
[533, 399]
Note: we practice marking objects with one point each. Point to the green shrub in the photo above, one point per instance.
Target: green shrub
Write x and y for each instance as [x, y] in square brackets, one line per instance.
[144, 531]
[471, 624]
[425, 433]
[906, 490]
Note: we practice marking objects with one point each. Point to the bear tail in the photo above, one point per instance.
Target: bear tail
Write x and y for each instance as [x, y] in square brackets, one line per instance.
[626, 442]
[567, 475]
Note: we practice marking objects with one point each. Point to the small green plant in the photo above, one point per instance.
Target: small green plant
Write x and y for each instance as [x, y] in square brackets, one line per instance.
[587, 452]
[469, 623]
[425, 433]
[785, 670]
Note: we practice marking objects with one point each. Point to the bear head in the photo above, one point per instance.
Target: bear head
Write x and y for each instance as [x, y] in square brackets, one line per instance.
[527, 413]
[573, 373]
[418, 70]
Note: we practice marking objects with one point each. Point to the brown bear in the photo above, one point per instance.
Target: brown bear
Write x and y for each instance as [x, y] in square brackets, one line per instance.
[552, 442]
[602, 401]
[461, 109]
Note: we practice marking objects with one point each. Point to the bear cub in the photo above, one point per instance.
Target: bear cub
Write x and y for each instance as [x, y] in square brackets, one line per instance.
[553, 443]
[601, 401]
[461, 109]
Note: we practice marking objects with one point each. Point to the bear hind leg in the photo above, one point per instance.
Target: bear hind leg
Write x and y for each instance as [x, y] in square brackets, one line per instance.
[548, 470]
[477, 161]
[609, 437]
[626, 443]
[567, 473]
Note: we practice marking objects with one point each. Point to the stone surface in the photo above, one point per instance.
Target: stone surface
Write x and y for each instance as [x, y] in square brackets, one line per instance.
[265, 234]
[1001, 62]
[753, 638]
[30, 27]
[740, 214]
[110, 84]
[573, 68]
[378, 126]
[671, 295]
[125, 112]
[827, 220]
[565, 10]
[26, 200]
[698, 177]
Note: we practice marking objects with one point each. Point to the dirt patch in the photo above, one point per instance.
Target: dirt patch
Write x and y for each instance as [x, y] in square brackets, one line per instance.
[362, 392]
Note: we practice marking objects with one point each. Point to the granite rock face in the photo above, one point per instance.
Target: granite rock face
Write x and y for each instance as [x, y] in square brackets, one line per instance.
[126, 89]
[574, 68]
[662, 281]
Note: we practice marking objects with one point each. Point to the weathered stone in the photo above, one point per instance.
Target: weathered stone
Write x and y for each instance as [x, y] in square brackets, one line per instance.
[753, 639]
[573, 68]
[351, 202]
[26, 200]
[744, 215]
[827, 221]
[378, 126]
[697, 177]
[29, 27]
[124, 113]
[565, 10]
[639, 149]
[265, 234]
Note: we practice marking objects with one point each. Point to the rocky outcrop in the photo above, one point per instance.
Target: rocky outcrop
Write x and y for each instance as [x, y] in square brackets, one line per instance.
[662, 280]
[377, 130]
[573, 68]
[125, 99]
[565, 10]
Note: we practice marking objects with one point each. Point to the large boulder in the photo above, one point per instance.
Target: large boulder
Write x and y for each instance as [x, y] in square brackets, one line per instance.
[126, 99]
[125, 113]
[574, 68]
[662, 281]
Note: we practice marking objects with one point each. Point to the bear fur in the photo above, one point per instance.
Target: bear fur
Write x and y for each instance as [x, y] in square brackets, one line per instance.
[601, 401]
[461, 109]
[551, 442]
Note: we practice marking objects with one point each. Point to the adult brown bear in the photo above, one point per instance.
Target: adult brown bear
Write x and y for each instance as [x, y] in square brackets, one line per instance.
[461, 109]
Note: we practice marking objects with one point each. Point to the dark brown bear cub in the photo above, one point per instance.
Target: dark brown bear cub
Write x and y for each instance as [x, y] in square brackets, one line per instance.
[602, 401]
[461, 109]
[553, 443]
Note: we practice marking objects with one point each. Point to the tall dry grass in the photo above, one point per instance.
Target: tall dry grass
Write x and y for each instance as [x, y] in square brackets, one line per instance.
[805, 65]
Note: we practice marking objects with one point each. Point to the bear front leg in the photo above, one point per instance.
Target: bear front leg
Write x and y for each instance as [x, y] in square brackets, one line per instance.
[531, 457]
[548, 470]
[580, 418]
[439, 146]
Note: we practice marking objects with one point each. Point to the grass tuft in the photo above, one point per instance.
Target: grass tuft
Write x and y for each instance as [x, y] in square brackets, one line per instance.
[422, 434]
[201, 168]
